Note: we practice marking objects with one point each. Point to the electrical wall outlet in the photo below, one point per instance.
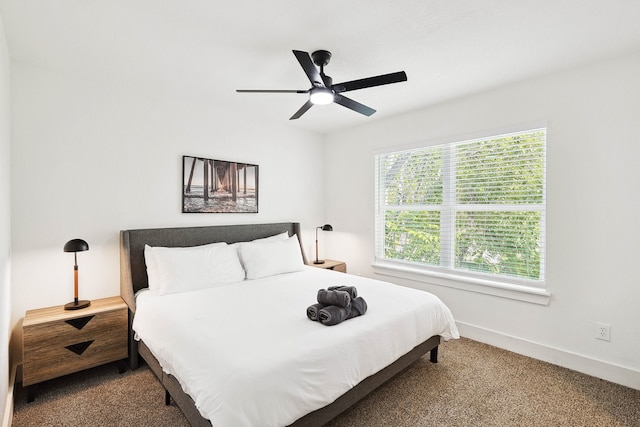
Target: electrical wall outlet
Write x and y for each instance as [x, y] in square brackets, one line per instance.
[603, 331]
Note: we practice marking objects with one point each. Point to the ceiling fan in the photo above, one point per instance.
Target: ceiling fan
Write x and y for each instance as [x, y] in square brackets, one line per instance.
[323, 91]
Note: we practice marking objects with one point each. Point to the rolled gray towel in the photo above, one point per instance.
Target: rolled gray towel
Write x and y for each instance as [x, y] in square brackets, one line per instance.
[333, 314]
[313, 310]
[353, 292]
[339, 298]
[358, 307]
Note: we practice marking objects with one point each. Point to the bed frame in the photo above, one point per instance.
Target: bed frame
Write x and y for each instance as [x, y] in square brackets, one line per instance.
[133, 277]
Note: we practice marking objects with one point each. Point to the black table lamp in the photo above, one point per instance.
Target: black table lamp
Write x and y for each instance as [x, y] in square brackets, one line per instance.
[75, 246]
[325, 227]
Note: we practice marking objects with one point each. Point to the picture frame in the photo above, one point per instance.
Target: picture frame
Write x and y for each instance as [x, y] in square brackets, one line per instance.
[218, 186]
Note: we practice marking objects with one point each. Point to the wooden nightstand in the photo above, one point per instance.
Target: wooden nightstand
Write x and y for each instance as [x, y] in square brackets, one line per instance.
[59, 342]
[330, 264]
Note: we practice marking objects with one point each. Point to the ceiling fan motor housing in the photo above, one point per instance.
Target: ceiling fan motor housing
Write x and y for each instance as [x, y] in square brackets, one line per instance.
[321, 57]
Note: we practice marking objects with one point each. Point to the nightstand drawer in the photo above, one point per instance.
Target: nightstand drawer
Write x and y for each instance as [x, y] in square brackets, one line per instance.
[71, 343]
[342, 267]
[64, 332]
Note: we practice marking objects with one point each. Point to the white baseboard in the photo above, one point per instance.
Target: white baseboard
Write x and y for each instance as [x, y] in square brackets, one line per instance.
[7, 420]
[596, 368]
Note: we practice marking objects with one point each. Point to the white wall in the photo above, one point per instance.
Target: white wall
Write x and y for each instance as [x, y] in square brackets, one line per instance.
[593, 237]
[90, 158]
[5, 221]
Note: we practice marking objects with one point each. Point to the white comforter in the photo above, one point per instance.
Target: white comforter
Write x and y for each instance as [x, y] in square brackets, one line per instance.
[248, 355]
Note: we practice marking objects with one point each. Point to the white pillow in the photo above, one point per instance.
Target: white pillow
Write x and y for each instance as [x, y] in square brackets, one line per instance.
[270, 257]
[172, 270]
[152, 265]
[276, 237]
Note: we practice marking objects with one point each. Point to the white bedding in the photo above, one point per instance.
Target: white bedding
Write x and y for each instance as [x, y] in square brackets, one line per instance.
[248, 355]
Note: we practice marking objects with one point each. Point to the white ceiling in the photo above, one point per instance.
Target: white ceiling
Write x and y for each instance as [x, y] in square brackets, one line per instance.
[203, 50]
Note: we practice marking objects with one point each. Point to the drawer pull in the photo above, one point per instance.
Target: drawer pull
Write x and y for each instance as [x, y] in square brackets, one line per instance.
[80, 347]
[80, 322]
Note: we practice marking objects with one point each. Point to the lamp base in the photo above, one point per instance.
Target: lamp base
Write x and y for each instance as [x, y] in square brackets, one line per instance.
[77, 305]
[318, 261]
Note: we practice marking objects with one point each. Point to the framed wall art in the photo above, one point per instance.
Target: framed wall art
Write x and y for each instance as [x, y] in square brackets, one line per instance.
[218, 186]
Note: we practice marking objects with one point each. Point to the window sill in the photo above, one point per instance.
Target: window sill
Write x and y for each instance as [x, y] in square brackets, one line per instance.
[487, 287]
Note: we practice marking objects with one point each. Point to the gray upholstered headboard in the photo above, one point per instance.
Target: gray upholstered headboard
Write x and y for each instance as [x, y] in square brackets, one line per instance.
[133, 271]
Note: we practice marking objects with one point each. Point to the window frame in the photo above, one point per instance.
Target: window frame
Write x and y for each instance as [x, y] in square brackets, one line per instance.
[531, 290]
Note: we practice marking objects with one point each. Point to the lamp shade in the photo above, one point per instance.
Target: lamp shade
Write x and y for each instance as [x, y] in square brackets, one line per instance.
[327, 227]
[76, 245]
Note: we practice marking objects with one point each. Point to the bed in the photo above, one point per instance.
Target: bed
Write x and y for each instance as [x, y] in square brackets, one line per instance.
[277, 367]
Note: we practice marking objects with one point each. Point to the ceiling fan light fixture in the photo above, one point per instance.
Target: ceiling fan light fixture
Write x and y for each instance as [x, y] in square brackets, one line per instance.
[321, 96]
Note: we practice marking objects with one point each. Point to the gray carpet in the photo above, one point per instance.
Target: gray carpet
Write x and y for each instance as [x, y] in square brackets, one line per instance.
[473, 385]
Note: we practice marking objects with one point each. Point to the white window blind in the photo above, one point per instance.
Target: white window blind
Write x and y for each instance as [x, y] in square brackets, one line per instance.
[475, 207]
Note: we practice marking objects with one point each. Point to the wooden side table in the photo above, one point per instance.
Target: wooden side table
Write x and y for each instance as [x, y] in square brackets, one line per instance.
[330, 264]
[59, 342]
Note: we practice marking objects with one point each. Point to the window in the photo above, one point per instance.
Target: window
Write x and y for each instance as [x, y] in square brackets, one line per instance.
[473, 208]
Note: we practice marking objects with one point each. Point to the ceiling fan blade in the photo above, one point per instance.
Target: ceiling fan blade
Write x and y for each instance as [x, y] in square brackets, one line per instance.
[270, 91]
[302, 110]
[383, 79]
[307, 65]
[353, 105]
